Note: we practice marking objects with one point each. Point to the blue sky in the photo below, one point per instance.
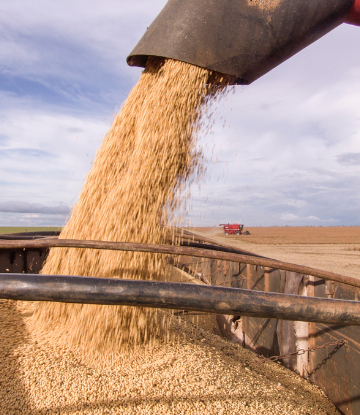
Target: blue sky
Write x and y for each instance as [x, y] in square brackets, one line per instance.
[289, 153]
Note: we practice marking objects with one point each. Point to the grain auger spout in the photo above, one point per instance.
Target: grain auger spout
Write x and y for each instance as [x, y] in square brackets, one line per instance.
[241, 38]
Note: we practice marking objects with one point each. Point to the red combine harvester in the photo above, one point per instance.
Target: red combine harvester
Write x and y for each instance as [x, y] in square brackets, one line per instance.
[233, 229]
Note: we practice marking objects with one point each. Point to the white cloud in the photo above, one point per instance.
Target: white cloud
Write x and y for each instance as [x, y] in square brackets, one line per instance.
[33, 209]
[292, 140]
[46, 154]
[31, 219]
[290, 217]
[41, 37]
[349, 159]
[290, 149]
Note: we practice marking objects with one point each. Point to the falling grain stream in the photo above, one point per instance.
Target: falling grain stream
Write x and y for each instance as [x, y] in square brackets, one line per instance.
[92, 359]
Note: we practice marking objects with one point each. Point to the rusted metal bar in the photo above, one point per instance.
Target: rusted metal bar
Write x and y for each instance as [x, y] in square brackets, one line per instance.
[267, 279]
[30, 235]
[222, 248]
[249, 276]
[170, 295]
[190, 239]
[180, 250]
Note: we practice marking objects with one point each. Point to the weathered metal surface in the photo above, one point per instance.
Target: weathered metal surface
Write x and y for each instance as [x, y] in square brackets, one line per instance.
[336, 374]
[29, 235]
[237, 37]
[231, 328]
[339, 375]
[22, 260]
[285, 330]
[218, 248]
[261, 333]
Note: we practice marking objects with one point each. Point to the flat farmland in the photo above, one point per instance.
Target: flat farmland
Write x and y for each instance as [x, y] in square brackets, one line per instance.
[335, 249]
[16, 229]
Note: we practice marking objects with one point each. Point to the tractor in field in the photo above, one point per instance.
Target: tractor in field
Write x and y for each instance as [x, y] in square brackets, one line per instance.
[234, 229]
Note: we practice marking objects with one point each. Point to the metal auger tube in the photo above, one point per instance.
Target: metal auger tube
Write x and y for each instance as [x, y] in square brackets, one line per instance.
[170, 295]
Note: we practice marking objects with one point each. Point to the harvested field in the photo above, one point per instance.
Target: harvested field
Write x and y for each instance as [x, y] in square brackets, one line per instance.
[335, 249]
[280, 235]
[16, 229]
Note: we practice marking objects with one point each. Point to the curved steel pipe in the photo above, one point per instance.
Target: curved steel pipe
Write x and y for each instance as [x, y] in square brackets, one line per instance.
[180, 250]
[170, 295]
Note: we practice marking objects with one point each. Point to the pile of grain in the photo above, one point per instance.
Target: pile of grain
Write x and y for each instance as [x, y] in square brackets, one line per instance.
[147, 157]
[199, 374]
